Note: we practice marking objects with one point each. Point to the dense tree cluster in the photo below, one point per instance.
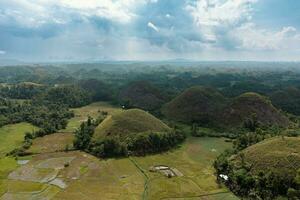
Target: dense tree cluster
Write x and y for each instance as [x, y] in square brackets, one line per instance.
[153, 142]
[69, 95]
[83, 135]
[139, 144]
[97, 90]
[108, 147]
[262, 185]
[21, 91]
[287, 99]
[49, 117]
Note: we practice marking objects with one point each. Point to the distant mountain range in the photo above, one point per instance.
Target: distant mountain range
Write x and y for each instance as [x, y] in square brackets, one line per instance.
[5, 62]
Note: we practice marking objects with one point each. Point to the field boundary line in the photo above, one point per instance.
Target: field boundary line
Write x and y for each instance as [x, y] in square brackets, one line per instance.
[144, 196]
[202, 195]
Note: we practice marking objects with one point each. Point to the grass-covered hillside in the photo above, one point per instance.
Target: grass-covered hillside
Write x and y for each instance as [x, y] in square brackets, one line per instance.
[196, 104]
[267, 170]
[206, 106]
[129, 122]
[141, 94]
[281, 154]
[249, 105]
[130, 132]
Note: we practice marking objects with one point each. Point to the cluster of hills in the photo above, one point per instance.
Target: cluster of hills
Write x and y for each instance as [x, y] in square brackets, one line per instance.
[208, 106]
[205, 105]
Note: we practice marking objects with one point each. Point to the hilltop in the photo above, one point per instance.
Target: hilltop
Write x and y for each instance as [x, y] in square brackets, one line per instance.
[246, 105]
[196, 104]
[129, 122]
[141, 94]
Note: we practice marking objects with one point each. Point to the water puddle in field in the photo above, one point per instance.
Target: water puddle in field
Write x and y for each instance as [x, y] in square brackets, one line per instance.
[59, 183]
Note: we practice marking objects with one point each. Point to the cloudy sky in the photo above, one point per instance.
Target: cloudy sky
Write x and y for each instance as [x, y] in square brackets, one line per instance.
[76, 30]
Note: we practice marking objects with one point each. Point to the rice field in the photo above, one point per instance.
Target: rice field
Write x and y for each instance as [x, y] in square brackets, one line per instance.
[86, 177]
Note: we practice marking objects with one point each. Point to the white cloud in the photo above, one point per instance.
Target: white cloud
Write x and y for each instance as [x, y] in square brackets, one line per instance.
[215, 27]
[34, 13]
[212, 15]
[152, 26]
[220, 12]
[229, 22]
[255, 38]
[25, 13]
[121, 10]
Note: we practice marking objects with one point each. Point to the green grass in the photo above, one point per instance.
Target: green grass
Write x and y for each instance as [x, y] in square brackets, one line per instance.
[15, 186]
[129, 122]
[7, 165]
[83, 169]
[93, 110]
[12, 136]
[280, 154]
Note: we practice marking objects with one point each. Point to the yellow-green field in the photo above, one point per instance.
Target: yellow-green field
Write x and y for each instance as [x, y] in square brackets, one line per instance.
[52, 143]
[194, 160]
[87, 177]
[92, 110]
[12, 136]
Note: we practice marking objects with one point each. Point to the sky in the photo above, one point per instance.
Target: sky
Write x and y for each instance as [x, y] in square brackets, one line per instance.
[150, 30]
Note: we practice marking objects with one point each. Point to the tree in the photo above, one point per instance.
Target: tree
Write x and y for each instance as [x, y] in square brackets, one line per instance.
[251, 123]
[83, 135]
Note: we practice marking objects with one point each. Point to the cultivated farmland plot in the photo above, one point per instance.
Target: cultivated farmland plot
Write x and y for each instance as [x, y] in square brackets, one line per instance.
[76, 175]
